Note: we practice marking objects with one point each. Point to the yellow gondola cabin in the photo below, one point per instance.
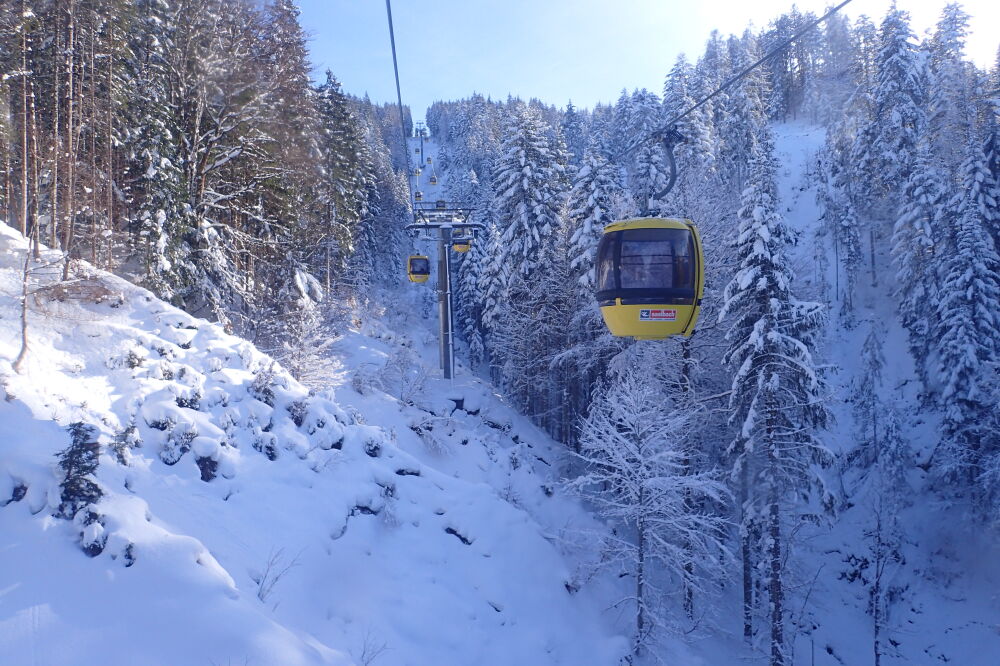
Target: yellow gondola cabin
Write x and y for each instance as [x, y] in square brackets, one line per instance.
[418, 268]
[650, 277]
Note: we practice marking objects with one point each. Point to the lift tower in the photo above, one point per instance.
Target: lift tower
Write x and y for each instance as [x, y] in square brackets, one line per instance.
[421, 133]
[444, 222]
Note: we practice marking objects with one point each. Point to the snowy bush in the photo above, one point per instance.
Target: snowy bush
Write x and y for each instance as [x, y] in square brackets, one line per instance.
[79, 462]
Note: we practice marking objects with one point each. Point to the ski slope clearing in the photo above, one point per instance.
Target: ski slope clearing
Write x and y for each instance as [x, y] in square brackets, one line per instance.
[243, 519]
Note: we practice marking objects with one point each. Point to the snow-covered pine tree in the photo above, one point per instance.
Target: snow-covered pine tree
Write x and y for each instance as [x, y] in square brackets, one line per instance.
[596, 200]
[744, 112]
[696, 187]
[527, 183]
[648, 172]
[593, 202]
[574, 133]
[914, 243]
[620, 123]
[884, 149]
[469, 297]
[153, 180]
[776, 400]
[948, 87]
[78, 462]
[967, 334]
[601, 130]
[346, 171]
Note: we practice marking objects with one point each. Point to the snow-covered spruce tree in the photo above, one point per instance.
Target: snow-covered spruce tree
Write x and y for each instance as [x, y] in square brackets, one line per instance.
[153, 180]
[78, 462]
[346, 172]
[696, 189]
[593, 202]
[635, 447]
[647, 172]
[470, 299]
[792, 69]
[574, 133]
[836, 77]
[918, 226]
[78, 492]
[967, 334]
[527, 182]
[884, 149]
[866, 398]
[991, 150]
[776, 399]
[596, 199]
[743, 112]
[600, 130]
[949, 87]
[492, 282]
[532, 331]
[620, 124]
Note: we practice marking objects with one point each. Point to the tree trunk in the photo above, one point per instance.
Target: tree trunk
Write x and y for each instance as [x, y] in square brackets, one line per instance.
[56, 146]
[70, 221]
[640, 582]
[871, 244]
[775, 585]
[25, 275]
[24, 122]
[746, 552]
[688, 504]
[110, 149]
[35, 178]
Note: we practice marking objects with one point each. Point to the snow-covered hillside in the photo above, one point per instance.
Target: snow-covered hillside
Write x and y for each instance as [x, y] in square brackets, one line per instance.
[943, 586]
[392, 520]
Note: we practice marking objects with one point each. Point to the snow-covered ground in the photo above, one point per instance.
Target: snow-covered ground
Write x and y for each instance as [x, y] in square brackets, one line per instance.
[396, 524]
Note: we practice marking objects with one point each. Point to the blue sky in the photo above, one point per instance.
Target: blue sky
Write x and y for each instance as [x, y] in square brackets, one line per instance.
[556, 50]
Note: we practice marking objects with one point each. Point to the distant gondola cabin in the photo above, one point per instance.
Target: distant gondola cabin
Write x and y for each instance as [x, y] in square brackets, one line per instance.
[418, 196]
[418, 268]
[433, 180]
[430, 161]
[650, 277]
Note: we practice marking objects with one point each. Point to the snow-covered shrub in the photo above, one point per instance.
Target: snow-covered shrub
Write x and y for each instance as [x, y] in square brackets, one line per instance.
[78, 462]
[125, 440]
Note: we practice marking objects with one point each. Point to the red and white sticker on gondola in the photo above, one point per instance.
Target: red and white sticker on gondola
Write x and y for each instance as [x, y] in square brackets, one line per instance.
[657, 315]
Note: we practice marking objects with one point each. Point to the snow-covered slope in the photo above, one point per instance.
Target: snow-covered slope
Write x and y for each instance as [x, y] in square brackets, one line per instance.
[943, 591]
[400, 520]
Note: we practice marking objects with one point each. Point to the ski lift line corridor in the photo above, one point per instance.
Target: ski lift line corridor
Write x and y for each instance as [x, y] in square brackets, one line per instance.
[650, 271]
[449, 222]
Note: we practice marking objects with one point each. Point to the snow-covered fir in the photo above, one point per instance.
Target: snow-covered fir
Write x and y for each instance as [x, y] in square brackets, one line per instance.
[223, 436]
